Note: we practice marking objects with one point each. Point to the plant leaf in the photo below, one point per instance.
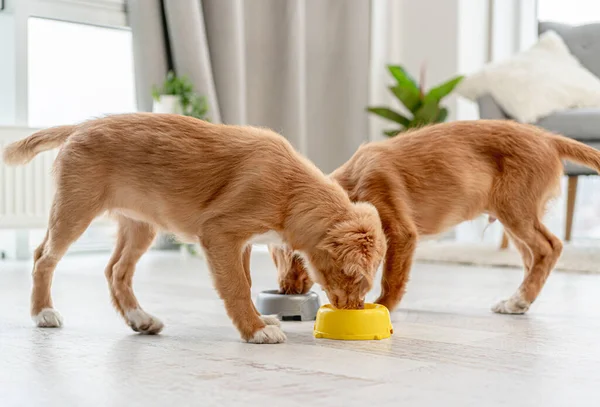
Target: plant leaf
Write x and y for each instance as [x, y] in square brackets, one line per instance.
[403, 77]
[427, 114]
[191, 249]
[198, 107]
[389, 114]
[156, 93]
[181, 86]
[392, 133]
[408, 96]
[441, 91]
[442, 115]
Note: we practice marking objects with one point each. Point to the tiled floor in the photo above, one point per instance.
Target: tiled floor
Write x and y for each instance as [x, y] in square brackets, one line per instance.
[448, 349]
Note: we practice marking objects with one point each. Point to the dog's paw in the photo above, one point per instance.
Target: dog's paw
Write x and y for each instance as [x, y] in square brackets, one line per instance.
[268, 334]
[270, 320]
[48, 318]
[514, 305]
[142, 322]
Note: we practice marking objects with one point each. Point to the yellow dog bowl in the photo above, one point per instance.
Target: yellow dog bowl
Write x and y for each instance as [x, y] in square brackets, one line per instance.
[372, 322]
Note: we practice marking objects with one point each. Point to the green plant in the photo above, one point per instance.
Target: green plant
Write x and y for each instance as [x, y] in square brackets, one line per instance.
[191, 104]
[191, 249]
[424, 107]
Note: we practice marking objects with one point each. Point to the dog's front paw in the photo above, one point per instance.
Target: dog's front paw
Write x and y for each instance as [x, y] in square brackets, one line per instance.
[295, 284]
[142, 322]
[268, 334]
[270, 320]
[295, 280]
[48, 318]
[514, 305]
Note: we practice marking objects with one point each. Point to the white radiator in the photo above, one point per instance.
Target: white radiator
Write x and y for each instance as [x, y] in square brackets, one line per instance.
[25, 191]
[26, 194]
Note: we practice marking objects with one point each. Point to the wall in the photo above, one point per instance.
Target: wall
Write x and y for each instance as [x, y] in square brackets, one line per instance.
[7, 66]
[450, 36]
[430, 30]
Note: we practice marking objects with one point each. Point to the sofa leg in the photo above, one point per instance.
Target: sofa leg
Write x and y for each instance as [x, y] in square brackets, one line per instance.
[504, 244]
[571, 195]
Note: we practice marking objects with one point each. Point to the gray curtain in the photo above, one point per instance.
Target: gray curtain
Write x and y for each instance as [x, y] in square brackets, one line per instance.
[300, 67]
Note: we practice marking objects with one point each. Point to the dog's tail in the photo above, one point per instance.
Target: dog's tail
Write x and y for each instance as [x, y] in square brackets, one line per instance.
[23, 151]
[575, 151]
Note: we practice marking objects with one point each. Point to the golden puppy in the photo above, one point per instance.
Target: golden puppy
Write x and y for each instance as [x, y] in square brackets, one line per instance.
[222, 186]
[425, 181]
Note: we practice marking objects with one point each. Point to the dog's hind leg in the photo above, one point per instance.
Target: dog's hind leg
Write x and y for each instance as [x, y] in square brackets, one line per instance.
[69, 218]
[523, 251]
[133, 241]
[544, 249]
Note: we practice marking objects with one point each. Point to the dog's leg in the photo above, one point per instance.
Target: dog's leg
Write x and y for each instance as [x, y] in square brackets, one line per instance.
[246, 254]
[396, 267]
[402, 235]
[523, 251]
[227, 267]
[267, 319]
[133, 241]
[68, 220]
[545, 249]
[292, 275]
[40, 249]
[108, 271]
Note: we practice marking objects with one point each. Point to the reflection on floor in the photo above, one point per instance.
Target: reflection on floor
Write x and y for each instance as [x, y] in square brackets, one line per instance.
[448, 349]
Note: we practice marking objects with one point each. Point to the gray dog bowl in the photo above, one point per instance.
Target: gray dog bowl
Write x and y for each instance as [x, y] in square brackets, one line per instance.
[289, 307]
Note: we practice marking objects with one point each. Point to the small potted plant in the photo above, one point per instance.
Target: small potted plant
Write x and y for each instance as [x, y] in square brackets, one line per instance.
[177, 95]
[423, 107]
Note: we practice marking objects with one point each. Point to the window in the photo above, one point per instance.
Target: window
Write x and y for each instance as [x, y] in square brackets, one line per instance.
[64, 61]
[573, 12]
[77, 71]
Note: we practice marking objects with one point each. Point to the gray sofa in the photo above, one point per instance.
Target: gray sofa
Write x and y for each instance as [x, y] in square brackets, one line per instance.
[579, 124]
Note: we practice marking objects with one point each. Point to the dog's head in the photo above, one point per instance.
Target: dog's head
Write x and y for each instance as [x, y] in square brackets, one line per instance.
[346, 260]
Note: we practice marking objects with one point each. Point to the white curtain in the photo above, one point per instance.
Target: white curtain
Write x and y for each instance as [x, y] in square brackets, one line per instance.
[300, 67]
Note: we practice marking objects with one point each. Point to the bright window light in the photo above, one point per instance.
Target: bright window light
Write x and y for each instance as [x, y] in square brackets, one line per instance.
[77, 72]
[574, 12]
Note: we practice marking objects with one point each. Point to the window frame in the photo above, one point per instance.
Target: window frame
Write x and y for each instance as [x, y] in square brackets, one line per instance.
[103, 13]
[512, 27]
[567, 21]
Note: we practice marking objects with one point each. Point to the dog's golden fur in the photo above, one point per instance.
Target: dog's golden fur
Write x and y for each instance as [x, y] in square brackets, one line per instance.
[214, 184]
[428, 180]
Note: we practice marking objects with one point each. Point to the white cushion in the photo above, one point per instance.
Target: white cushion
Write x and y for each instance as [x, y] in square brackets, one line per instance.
[542, 80]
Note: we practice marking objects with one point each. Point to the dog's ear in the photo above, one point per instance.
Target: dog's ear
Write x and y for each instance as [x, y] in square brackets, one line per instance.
[356, 243]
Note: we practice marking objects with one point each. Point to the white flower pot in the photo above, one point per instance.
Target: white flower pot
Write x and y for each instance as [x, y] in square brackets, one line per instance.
[183, 251]
[167, 104]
